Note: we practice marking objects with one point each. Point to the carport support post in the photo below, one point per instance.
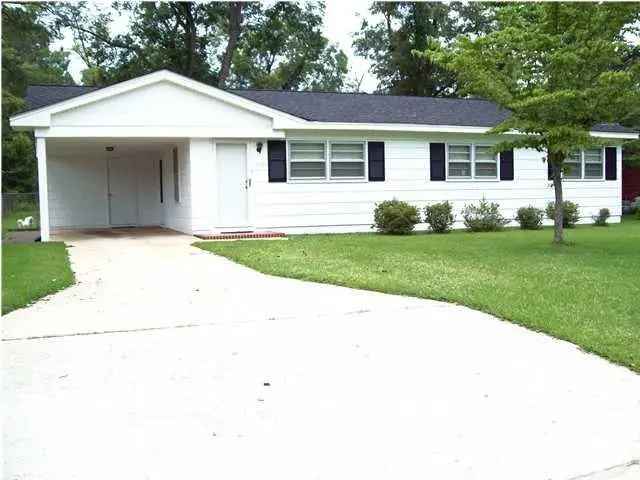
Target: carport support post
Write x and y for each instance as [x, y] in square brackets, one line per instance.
[41, 154]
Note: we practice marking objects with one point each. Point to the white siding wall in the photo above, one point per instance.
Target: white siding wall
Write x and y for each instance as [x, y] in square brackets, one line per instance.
[177, 215]
[203, 184]
[310, 207]
[78, 190]
[161, 104]
[148, 178]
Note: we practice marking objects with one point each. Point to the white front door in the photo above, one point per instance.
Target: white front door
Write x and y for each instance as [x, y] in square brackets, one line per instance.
[123, 204]
[231, 159]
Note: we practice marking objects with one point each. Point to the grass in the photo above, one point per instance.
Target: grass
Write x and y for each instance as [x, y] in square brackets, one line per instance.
[586, 292]
[31, 271]
[9, 221]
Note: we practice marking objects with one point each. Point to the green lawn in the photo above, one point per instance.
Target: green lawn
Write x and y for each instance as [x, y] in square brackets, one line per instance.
[31, 271]
[9, 221]
[587, 292]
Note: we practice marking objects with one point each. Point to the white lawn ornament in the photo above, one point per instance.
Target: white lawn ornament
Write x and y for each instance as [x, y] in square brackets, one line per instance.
[25, 222]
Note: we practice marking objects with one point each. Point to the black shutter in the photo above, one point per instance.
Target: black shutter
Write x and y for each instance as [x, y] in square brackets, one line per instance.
[376, 161]
[277, 158]
[549, 170]
[506, 165]
[610, 163]
[161, 184]
[436, 154]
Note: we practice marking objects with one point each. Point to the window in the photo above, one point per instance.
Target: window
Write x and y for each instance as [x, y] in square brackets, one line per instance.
[176, 176]
[314, 160]
[574, 166]
[585, 165]
[472, 162]
[347, 160]
[593, 164]
[308, 160]
[486, 162]
[459, 161]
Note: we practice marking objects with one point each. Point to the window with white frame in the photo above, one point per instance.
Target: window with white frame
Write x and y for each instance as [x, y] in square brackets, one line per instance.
[471, 162]
[459, 165]
[347, 160]
[593, 163]
[573, 164]
[585, 165]
[485, 162]
[307, 160]
[325, 160]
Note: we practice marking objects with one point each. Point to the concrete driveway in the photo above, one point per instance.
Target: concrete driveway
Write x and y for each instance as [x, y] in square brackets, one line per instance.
[167, 362]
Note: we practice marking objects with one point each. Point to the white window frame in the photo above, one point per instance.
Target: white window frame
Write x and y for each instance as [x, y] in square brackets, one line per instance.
[583, 163]
[327, 162]
[472, 162]
[364, 160]
[306, 179]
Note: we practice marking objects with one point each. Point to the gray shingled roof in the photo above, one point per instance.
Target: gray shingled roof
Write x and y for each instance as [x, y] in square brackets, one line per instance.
[343, 107]
[39, 96]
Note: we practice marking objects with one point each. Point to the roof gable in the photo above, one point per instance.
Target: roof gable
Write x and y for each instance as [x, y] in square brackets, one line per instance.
[44, 101]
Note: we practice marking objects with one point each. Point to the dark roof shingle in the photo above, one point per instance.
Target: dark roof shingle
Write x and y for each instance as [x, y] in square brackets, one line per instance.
[39, 96]
[343, 107]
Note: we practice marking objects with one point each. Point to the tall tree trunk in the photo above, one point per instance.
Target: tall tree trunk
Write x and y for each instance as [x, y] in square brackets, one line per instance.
[190, 38]
[558, 221]
[235, 19]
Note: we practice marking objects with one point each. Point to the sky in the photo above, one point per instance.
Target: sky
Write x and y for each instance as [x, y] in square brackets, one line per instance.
[342, 18]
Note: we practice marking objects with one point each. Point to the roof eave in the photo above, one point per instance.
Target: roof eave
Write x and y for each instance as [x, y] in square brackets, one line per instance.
[408, 127]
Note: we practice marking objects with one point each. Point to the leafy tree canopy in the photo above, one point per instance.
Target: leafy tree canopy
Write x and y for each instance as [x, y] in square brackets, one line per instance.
[233, 44]
[26, 59]
[396, 29]
[559, 67]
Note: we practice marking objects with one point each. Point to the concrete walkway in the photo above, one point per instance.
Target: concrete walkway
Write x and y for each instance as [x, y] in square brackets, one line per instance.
[166, 362]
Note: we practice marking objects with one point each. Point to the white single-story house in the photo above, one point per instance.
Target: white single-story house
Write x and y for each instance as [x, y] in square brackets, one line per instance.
[165, 150]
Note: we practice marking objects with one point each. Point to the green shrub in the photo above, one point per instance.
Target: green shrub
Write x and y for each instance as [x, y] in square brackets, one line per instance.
[395, 217]
[530, 218]
[571, 213]
[484, 217]
[600, 220]
[439, 216]
[638, 214]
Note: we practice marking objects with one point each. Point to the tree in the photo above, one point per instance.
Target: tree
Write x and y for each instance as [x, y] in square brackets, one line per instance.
[180, 36]
[240, 44]
[26, 58]
[284, 48]
[561, 68]
[403, 27]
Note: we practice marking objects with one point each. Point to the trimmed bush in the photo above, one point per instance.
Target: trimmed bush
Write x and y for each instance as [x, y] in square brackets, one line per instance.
[484, 217]
[600, 220]
[439, 216]
[571, 213]
[395, 217]
[530, 218]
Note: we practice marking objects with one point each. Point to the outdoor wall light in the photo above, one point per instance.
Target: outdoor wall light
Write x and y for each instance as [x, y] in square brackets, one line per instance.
[259, 147]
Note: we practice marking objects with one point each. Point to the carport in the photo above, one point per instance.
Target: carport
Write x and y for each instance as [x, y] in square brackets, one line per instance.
[101, 183]
[157, 150]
